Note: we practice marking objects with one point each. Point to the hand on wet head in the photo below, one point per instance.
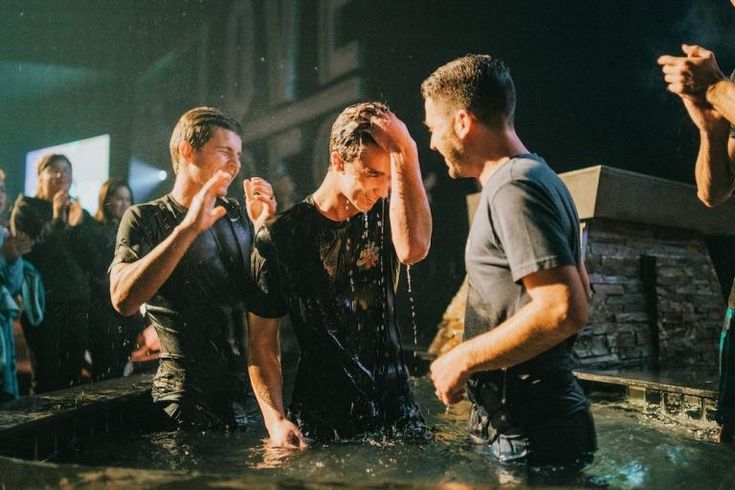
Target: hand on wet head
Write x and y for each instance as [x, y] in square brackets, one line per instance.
[390, 133]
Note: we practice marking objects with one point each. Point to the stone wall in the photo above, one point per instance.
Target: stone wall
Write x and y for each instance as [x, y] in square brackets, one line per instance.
[657, 298]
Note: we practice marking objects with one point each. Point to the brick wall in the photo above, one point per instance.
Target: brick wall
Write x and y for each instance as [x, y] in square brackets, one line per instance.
[657, 298]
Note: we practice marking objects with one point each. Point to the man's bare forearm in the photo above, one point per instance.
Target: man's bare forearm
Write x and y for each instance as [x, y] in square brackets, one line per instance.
[409, 208]
[132, 284]
[721, 96]
[264, 367]
[555, 312]
[713, 169]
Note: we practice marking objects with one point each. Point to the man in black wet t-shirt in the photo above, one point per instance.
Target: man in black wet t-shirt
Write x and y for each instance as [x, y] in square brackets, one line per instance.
[331, 263]
[528, 288]
[187, 257]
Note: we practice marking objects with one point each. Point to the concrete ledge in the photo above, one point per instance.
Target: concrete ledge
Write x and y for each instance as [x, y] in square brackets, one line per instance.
[41, 427]
[607, 192]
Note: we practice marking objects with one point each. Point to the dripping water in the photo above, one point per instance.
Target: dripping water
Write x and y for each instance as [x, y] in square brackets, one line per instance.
[411, 301]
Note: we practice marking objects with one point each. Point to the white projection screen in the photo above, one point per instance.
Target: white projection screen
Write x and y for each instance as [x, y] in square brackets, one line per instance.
[90, 160]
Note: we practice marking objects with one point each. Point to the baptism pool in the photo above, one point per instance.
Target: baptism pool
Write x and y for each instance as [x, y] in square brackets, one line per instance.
[634, 452]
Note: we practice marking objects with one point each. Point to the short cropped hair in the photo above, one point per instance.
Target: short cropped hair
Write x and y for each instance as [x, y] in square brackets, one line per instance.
[478, 83]
[351, 129]
[196, 127]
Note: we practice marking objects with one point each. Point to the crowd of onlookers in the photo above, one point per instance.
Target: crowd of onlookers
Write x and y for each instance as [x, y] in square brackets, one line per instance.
[54, 258]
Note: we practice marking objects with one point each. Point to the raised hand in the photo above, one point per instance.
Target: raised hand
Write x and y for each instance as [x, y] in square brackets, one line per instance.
[60, 205]
[202, 212]
[689, 76]
[74, 213]
[15, 246]
[259, 200]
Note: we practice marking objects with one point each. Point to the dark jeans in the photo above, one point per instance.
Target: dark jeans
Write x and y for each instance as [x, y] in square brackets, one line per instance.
[567, 442]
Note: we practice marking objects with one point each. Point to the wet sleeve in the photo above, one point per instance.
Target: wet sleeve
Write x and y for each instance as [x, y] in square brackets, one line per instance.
[132, 242]
[529, 229]
[268, 300]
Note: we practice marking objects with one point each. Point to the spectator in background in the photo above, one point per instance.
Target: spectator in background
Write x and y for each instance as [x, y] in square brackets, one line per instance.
[63, 234]
[11, 280]
[111, 336]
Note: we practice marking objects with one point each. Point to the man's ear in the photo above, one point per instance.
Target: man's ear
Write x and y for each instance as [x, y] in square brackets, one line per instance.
[336, 161]
[185, 151]
[462, 123]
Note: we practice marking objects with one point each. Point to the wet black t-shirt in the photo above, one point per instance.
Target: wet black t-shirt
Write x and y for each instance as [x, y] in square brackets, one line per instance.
[199, 312]
[337, 281]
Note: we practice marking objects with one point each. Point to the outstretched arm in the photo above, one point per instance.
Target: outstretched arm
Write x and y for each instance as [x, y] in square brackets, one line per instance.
[264, 368]
[709, 98]
[410, 216]
[132, 284]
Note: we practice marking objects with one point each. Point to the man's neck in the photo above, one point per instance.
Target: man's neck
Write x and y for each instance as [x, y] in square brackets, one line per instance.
[497, 150]
[184, 190]
[332, 203]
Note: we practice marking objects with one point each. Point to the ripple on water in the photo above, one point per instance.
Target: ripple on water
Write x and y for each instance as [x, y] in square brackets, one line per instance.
[633, 454]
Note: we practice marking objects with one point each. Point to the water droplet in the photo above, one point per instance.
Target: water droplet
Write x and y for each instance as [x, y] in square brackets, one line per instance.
[412, 302]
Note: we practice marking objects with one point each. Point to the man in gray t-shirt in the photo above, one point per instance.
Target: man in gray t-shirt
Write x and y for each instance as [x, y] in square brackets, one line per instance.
[528, 290]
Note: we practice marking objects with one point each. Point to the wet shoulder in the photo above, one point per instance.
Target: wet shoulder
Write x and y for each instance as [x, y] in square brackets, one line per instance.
[526, 170]
[285, 227]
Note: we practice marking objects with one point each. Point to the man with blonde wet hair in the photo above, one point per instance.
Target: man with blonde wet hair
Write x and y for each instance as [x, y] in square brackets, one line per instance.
[331, 263]
[186, 256]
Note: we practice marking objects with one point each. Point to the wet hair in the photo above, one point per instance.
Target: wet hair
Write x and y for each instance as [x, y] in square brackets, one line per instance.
[478, 83]
[109, 187]
[48, 159]
[351, 129]
[196, 126]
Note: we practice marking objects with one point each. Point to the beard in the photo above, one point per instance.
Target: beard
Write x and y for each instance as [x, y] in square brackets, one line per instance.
[456, 160]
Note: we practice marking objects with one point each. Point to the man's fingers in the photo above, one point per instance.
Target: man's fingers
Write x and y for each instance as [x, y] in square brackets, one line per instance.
[218, 212]
[670, 68]
[668, 59]
[692, 50]
[217, 184]
[299, 440]
[247, 188]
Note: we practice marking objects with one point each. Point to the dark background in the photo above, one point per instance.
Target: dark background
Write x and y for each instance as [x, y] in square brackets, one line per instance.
[589, 89]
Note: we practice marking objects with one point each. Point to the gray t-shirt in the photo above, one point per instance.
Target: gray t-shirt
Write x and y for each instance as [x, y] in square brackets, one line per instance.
[526, 221]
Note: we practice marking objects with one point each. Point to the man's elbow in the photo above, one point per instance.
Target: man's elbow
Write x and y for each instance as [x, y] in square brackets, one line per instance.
[712, 199]
[414, 252]
[569, 317]
[122, 304]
